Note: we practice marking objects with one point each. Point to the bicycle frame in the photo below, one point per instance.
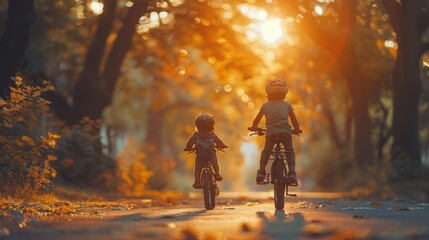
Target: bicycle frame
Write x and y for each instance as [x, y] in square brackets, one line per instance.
[279, 154]
[209, 185]
[210, 188]
[279, 171]
[207, 168]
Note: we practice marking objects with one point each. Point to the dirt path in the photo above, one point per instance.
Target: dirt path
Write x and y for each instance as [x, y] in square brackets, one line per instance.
[248, 215]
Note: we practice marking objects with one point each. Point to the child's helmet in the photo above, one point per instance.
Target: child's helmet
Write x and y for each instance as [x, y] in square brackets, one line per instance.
[276, 85]
[204, 122]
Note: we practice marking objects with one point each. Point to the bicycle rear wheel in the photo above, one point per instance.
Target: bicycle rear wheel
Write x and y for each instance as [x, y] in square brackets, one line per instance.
[279, 184]
[209, 191]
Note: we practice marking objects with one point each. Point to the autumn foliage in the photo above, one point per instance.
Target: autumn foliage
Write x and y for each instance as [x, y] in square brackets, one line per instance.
[25, 147]
[32, 156]
[80, 156]
[144, 69]
[133, 175]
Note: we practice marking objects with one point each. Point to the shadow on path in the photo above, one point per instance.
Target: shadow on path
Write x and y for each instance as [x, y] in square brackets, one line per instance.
[123, 227]
[280, 224]
[183, 216]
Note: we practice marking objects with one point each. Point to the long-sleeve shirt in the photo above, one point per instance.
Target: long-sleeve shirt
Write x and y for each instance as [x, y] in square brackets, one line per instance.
[196, 135]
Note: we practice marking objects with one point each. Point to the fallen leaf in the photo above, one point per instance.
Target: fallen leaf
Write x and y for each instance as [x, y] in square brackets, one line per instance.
[251, 204]
[66, 209]
[228, 208]
[245, 227]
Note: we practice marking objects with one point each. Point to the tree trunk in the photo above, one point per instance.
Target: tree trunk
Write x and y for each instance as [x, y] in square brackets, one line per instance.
[358, 86]
[406, 85]
[359, 91]
[94, 94]
[340, 137]
[154, 129]
[362, 142]
[122, 44]
[94, 89]
[88, 95]
[16, 36]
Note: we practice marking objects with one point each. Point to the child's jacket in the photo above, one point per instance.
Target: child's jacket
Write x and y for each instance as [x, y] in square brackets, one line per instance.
[204, 135]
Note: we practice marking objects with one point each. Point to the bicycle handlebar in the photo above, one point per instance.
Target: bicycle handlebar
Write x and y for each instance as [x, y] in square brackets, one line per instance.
[261, 131]
[257, 131]
[192, 150]
[296, 131]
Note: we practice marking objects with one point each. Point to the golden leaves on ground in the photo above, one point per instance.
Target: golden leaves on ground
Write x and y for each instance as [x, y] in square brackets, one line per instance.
[16, 214]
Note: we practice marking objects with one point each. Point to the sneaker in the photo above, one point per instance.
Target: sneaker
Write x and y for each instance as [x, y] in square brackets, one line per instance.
[218, 177]
[216, 191]
[260, 177]
[292, 179]
[197, 185]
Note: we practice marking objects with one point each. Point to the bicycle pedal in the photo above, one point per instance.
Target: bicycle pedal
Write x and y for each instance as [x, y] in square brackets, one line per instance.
[292, 184]
[216, 191]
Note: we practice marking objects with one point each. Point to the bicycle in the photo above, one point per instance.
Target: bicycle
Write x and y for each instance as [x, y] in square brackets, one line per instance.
[208, 182]
[278, 171]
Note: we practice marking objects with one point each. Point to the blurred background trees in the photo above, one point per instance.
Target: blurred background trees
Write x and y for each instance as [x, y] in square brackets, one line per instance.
[130, 77]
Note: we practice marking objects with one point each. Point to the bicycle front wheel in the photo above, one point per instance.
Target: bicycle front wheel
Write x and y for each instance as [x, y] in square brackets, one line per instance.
[279, 184]
[209, 191]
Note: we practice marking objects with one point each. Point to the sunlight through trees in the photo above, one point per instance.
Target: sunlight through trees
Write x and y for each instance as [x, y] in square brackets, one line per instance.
[134, 74]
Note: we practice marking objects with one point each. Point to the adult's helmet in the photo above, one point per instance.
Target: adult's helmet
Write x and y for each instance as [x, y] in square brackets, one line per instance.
[204, 122]
[276, 85]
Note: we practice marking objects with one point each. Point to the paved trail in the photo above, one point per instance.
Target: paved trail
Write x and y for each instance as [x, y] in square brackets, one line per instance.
[249, 215]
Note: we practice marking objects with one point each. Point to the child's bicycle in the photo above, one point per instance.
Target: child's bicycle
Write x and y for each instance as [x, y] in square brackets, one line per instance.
[208, 182]
[279, 170]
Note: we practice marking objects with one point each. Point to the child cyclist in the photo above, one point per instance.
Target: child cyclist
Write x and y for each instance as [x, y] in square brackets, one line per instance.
[205, 141]
[276, 112]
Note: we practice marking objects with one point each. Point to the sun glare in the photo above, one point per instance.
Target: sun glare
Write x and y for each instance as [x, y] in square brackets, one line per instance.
[96, 7]
[271, 30]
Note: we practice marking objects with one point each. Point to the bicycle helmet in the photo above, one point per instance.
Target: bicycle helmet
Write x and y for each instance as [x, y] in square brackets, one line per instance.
[204, 122]
[276, 85]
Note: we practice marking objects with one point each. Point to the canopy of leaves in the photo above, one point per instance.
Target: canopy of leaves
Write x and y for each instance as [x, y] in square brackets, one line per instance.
[187, 57]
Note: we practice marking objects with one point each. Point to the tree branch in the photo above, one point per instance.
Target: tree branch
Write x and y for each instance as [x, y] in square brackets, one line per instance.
[98, 44]
[87, 94]
[122, 44]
